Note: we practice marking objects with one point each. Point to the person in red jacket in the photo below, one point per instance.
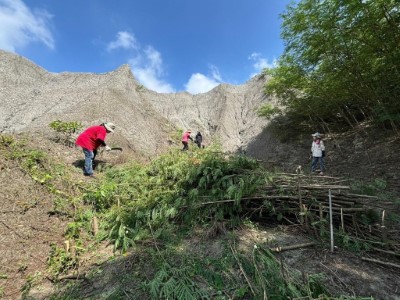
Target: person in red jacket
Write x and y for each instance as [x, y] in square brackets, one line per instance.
[185, 139]
[90, 140]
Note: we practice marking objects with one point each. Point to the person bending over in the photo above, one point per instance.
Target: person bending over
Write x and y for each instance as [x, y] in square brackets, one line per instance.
[90, 140]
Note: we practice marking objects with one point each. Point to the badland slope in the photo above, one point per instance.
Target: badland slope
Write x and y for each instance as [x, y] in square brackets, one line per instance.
[32, 97]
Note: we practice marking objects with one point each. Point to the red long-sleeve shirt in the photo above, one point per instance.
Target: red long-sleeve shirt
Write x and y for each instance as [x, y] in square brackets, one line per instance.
[92, 138]
[186, 136]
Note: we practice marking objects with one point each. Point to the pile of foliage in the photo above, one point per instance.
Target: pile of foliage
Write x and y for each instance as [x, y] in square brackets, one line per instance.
[139, 201]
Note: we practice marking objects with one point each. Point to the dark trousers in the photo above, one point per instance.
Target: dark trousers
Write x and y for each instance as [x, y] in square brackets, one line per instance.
[314, 163]
[185, 146]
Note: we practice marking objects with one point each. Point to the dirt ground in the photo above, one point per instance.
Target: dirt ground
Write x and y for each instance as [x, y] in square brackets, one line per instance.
[345, 272]
[27, 227]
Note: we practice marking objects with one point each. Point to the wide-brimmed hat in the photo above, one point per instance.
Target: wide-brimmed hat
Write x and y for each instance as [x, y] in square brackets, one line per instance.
[317, 135]
[109, 126]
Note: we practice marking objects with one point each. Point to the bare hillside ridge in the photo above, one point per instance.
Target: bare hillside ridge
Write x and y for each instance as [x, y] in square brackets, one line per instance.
[227, 113]
[31, 98]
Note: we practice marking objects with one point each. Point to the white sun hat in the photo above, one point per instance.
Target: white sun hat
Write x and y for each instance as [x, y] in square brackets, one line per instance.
[109, 126]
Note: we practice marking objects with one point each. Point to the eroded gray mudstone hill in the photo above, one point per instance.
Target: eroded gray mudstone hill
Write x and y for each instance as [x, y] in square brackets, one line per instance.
[31, 98]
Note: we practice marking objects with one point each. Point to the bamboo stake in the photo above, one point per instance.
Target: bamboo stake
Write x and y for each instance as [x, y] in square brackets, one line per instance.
[381, 262]
[292, 247]
[300, 199]
[349, 209]
[95, 226]
[66, 246]
[320, 187]
[242, 270]
[330, 219]
[362, 196]
[385, 251]
[245, 198]
[384, 229]
[342, 218]
[324, 187]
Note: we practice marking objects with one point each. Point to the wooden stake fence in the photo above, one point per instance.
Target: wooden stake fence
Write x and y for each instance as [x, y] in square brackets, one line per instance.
[307, 199]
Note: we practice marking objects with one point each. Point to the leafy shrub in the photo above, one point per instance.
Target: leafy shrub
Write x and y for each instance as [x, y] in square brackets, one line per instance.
[60, 261]
[268, 111]
[65, 130]
[6, 140]
[33, 161]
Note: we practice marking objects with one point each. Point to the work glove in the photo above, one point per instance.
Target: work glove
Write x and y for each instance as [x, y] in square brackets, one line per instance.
[108, 148]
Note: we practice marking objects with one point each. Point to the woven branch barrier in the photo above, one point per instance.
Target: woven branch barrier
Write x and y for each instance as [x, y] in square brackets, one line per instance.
[303, 200]
[348, 209]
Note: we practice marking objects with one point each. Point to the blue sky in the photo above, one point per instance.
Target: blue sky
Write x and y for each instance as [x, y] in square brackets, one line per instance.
[171, 45]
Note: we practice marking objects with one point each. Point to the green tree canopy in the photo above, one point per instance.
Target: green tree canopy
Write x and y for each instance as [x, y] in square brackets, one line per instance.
[341, 62]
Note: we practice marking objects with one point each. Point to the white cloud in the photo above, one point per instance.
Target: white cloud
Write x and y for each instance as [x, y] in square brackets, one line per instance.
[21, 26]
[151, 81]
[146, 63]
[147, 67]
[125, 40]
[199, 83]
[154, 60]
[215, 73]
[260, 63]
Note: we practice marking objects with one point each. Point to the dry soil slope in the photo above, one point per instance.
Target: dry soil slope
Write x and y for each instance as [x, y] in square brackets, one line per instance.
[26, 228]
[31, 98]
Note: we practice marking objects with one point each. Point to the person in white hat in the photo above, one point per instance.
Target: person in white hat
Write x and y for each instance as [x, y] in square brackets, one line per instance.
[90, 140]
[317, 153]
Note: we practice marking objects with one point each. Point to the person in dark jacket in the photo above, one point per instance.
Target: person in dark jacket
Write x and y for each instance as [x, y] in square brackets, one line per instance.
[90, 140]
[198, 139]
